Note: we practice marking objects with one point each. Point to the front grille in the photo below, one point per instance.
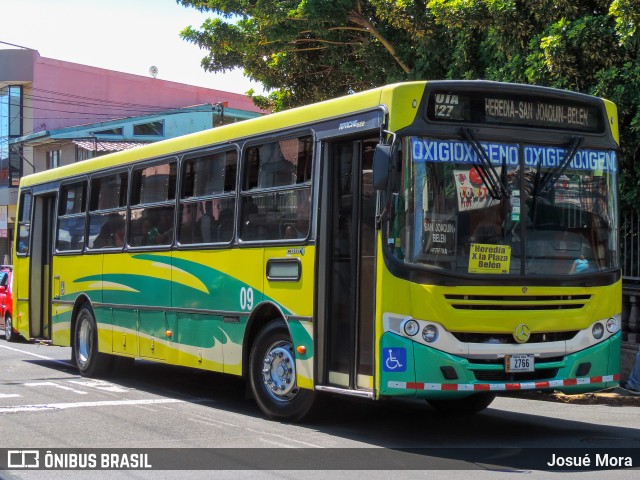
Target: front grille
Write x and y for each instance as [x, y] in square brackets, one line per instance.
[502, 376]
[507, 338]
[541, 362]
[517, 302]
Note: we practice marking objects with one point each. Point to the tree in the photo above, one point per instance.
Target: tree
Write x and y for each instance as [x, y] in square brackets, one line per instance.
[311, 50]
[304, 51]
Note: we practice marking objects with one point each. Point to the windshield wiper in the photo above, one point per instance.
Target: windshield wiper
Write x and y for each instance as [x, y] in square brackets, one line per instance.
[551, 177]
[488, 174]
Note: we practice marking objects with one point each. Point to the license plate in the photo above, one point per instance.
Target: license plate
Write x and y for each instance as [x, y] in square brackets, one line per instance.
[519, 363]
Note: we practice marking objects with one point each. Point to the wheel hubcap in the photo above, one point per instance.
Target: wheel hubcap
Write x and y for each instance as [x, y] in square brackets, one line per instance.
[279, 372]
[8, 328]
[84, 342]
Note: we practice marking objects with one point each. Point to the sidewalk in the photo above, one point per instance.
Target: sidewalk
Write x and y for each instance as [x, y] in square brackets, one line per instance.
[614, 396]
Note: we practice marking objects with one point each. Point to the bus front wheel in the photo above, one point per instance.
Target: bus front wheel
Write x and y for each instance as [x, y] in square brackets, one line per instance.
[89, 360]
[464, 406]
[272, 374]
[8, 329]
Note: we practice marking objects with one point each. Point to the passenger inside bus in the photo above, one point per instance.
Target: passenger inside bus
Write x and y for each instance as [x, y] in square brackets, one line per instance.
[299, 226]
[580, 265]
[208, 224]
[111, 233]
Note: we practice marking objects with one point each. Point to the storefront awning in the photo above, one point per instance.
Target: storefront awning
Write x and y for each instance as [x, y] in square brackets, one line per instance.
[106, 145]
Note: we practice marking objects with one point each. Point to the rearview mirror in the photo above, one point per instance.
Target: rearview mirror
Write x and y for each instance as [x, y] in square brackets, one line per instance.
[381, 163]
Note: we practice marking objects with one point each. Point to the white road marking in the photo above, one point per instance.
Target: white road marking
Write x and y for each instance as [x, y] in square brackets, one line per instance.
[100, 385]
[55, 385]
[9, 395]
[212, 423]
[63, 362]
[287, 439]
[64, 406]
[277, 444]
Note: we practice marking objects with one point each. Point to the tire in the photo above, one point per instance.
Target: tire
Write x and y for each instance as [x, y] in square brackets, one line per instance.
[9, 335]
[463, 406]
[90, 362]
[272, 374]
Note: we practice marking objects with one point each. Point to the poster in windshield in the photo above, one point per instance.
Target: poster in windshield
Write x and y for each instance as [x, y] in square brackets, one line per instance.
[439, 235]
[472, 192]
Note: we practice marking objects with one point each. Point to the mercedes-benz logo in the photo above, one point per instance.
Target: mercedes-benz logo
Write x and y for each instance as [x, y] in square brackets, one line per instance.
[522, 333]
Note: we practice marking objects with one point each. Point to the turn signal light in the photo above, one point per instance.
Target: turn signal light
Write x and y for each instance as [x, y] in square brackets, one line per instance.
[301, 349]
[169, 333]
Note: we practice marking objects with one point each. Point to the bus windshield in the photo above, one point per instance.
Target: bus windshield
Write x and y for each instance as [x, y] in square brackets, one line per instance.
[475, 207]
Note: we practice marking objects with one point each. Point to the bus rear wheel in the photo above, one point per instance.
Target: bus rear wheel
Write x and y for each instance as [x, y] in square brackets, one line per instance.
[272, 375]
[463, 406]
[90, 362]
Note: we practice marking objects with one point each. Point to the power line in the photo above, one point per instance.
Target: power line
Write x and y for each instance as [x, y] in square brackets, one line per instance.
[100, 101]
[87, 104]
[93, 103]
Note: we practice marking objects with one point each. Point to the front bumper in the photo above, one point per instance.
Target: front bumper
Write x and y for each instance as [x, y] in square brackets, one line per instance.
[411, 369]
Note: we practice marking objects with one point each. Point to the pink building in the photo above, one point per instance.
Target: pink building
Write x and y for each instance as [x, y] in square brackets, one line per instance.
[40, 97]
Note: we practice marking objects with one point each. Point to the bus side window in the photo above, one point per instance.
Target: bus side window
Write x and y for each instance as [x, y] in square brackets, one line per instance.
[296, 224]
[225, 225]
[207, 198]
[276, 174]
[71, 217]
[24, 223]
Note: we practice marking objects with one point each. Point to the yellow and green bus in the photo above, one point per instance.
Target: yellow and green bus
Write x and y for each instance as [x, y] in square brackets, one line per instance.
[445, 240]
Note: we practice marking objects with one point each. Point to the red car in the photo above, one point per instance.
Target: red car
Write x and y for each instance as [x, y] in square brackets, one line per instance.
[6, 304]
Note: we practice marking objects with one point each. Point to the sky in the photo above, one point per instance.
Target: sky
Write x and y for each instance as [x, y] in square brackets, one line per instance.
[123, 35]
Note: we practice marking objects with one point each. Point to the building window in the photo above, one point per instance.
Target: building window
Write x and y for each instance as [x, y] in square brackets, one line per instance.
[151, 129]
[84, 154]
[15, 166]
[10, 127]
[110, 131]
[53, 159]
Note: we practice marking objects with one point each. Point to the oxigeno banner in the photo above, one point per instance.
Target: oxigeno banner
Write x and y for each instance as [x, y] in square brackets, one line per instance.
[450, 151]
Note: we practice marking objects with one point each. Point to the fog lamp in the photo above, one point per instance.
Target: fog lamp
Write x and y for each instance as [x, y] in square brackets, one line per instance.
[411, 327]
[430, 333]
[597, 331]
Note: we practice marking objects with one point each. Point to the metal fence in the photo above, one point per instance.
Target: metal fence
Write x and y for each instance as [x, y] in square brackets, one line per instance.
[630, 244]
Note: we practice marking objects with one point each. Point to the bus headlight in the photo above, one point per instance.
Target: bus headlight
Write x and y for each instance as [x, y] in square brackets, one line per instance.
[430, 333]
[612, 325]
[411, 327]
[597, 331]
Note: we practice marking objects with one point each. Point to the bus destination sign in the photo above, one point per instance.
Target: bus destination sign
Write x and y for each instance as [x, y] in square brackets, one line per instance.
[508, 110]
[519, 110]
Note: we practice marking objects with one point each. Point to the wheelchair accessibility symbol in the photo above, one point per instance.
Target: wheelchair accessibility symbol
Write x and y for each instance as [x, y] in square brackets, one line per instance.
[394, 359]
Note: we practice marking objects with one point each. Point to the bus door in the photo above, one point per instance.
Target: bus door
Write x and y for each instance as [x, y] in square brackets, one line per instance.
[42, 233]
[347, 265]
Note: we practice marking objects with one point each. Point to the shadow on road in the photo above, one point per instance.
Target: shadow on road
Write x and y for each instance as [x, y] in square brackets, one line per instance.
[407, 427]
